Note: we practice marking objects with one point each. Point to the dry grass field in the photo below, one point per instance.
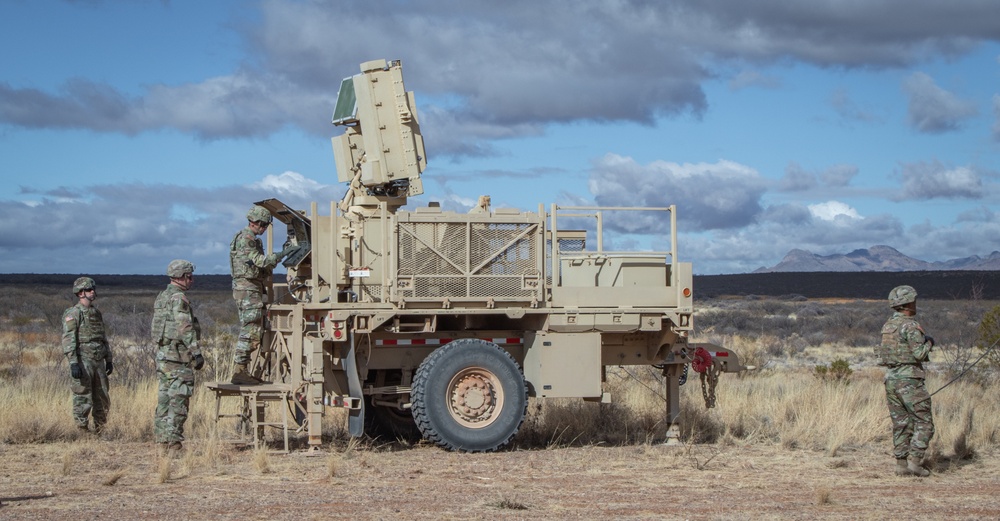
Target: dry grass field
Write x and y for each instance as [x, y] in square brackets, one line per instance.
[786, 441]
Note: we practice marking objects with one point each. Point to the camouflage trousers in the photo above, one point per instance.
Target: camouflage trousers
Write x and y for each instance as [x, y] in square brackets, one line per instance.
[90, 394]
[912, 422]
[176, 387]
[250, 305]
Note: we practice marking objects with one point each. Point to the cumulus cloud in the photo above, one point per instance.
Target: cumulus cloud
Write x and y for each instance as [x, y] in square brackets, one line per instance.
[981, 214]
[724, 194]
[486, 71]
[797, 179]
[934, 180]
[932, 109]
[834, 211]
[290, 184]
[782, 228]
[137, 228]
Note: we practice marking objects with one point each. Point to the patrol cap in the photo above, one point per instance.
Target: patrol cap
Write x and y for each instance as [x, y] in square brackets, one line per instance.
[258, 213]
[902, 295]
[83, 283]
[178, 268]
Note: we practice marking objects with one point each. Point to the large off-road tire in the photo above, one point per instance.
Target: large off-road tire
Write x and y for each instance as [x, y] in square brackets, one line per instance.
[469, 395]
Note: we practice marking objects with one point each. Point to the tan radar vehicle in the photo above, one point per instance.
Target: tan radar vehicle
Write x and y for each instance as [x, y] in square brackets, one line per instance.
[439, 324]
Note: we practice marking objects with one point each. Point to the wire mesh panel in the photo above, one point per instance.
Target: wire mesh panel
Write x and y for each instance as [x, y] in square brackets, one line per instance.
[472, 259]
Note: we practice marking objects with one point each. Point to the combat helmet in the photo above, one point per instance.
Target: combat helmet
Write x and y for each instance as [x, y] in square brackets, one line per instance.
[902, 295]
[83, 283]
[178, 268]
[259, 214]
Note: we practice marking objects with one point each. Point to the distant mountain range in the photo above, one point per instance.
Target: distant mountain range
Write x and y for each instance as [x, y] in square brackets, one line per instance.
[877, 258]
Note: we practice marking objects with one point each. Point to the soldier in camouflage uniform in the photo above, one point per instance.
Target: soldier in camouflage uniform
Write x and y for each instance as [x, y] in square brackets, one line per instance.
[250, 270]
[90, 362]
[176, 333]
[903, 350]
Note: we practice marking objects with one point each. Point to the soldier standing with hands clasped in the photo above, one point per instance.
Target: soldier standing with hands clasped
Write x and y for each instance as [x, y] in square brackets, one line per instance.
[90, 363]
[903, 350]
[176, 333]
[250, 269]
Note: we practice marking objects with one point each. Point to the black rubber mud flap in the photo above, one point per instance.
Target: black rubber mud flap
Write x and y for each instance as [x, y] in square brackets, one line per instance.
[356, 420]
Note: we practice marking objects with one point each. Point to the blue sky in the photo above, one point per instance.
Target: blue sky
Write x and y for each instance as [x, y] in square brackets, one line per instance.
[133, 132]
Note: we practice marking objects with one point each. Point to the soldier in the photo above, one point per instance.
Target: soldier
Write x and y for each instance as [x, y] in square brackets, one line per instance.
[903, 350]
[176, 334]
[250, 269]
[90, 362]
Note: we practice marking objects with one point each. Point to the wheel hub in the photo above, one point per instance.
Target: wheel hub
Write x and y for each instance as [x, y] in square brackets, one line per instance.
[475, 397]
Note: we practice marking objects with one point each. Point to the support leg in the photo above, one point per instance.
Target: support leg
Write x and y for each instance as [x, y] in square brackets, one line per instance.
[673, 397]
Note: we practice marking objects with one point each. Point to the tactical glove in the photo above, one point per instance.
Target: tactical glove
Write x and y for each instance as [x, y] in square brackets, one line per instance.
[199, 362]
[74, 370]
[288, 250]
[108, 366]
[928, 338]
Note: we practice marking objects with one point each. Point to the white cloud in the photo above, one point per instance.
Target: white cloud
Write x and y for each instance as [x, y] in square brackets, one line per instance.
[139, 228]
[724, 194]
[833, 211]
[512, 68]
[289, 184]
[934, 180]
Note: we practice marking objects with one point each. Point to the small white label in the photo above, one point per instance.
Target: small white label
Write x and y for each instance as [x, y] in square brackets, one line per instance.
[364, 272]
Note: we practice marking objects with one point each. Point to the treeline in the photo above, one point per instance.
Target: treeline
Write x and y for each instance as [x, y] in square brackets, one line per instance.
[951, 285]
[202, 282]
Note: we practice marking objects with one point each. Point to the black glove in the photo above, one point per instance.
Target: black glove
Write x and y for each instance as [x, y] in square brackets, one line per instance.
[928, 338]
[74, 370]
[199, 362]
[108, 366]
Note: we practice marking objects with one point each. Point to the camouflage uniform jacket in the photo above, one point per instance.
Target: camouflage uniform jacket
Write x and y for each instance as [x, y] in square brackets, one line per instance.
[175, 329]
[83, 334]
[249, 264]
[904, 347]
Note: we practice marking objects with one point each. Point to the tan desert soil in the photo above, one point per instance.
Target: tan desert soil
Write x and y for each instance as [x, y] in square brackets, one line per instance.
[110, 481]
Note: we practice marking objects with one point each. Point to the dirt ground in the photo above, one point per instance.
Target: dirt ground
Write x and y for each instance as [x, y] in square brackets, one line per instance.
[107, 480]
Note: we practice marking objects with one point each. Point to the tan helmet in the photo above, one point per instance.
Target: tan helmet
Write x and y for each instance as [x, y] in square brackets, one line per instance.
[83, 283]
[259, 214]
[902, 295]
[178, 268]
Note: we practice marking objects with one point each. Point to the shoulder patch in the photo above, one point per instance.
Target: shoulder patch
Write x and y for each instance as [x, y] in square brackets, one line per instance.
[69, 318]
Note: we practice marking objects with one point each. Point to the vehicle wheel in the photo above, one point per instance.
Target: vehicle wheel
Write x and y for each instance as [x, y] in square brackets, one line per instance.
[389, 423]
[469, 395]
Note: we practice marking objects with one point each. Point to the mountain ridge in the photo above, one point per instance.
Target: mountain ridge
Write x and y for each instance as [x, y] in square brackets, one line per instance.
[876, 258]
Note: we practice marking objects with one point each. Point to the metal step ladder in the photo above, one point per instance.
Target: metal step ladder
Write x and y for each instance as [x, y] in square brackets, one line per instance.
[252, 410]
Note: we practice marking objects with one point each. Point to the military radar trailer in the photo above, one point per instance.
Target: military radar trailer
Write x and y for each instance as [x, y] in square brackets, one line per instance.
[444, 324]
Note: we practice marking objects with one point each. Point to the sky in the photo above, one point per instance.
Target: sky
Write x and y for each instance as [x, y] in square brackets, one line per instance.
[133, 132]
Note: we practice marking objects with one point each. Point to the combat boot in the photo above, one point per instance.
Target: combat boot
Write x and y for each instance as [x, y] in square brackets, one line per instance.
[913, 465]
[901, 467]
[242, 377]
[171, 449]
